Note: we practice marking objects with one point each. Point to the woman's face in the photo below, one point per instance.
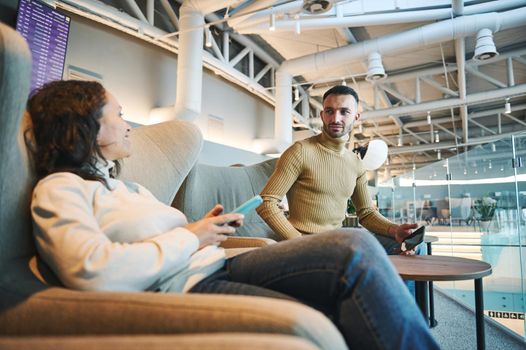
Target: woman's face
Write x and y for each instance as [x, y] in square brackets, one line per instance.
[114, 131]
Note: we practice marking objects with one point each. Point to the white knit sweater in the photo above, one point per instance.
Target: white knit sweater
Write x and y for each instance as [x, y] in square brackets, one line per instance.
[122, 239]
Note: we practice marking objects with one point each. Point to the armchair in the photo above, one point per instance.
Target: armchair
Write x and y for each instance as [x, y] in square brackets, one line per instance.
[36, 310]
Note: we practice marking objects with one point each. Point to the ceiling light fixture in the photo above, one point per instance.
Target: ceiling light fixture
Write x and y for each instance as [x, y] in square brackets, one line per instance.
[507, 106]
[439, 155]
[493, 147]
[485, 47]
[375, 69]
[208, 37]
[400, 143]
[428, 118]
[296, 93]
[489, 164]
[344, 83]
[437, 137]
[272, 24]
[316, 6]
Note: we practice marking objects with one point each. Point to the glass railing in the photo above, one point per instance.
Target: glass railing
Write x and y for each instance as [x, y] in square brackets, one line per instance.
[475, 203]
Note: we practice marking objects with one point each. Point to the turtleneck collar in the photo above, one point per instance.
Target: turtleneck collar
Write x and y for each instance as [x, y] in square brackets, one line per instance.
[104, 167]
[337, 145]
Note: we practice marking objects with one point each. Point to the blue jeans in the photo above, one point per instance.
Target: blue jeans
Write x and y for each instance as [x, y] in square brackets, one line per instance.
[392, 247]
[344, 274]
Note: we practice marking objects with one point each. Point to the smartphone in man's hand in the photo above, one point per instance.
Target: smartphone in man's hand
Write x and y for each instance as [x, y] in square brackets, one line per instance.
[415, 238]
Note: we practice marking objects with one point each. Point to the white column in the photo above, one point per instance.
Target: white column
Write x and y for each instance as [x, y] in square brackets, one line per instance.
[189, 63]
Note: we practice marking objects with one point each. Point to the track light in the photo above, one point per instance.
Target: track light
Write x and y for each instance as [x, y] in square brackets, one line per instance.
[485, 47]
[400, 143]
[375, 69]
[507, 106]
[493, 147]
[272, 24]
[437, 137]
[428, 118]
[439, 155]
[208, 37]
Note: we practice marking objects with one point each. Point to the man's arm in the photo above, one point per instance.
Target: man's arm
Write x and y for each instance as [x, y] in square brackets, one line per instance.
[371, 218]
[286, 173]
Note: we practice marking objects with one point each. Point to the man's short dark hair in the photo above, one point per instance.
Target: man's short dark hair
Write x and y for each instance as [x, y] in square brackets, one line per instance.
[341, 90]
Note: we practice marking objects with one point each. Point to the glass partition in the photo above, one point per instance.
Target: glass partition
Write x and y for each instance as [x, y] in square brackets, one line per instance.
[475, 203]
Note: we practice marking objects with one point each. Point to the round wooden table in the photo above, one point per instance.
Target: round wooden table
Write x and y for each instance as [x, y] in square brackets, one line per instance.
[427, 268]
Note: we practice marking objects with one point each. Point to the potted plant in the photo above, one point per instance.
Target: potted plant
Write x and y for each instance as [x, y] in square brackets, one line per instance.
[485, 208]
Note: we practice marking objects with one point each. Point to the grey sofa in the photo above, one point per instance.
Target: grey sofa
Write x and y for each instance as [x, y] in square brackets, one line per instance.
[37, 312]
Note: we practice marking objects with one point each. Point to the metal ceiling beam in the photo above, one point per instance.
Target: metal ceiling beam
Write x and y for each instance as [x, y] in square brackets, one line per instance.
[476, 98]
[450, 144]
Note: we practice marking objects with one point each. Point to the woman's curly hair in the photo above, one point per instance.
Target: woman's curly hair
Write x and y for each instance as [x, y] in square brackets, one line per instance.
[65, 116]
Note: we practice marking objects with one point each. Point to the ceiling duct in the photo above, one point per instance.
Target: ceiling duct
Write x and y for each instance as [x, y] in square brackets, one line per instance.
[315, 7]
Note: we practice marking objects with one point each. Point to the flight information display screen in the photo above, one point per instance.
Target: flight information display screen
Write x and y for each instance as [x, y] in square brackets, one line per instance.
[46, 31]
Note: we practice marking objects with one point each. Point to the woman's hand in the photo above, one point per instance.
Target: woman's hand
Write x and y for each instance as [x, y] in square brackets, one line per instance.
[213, 228]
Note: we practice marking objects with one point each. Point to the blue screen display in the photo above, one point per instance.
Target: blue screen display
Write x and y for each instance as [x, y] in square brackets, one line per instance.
[46, 31]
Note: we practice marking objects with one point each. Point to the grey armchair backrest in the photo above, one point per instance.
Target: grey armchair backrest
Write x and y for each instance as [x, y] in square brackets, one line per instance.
[16, 180]
[207, 185]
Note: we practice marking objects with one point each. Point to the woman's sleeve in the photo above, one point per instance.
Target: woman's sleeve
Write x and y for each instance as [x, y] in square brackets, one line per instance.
[70, 240]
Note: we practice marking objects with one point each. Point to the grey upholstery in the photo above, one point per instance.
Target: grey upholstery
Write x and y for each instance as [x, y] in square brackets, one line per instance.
[29, 307]
[231, 186]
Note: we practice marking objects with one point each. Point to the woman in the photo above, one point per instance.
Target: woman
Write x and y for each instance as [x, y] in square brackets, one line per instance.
[99, 233]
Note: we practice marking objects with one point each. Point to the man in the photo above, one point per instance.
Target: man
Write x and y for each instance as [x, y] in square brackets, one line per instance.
[319, 174]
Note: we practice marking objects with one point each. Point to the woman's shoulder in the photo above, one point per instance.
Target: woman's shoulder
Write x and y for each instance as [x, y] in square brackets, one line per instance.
[62, 180]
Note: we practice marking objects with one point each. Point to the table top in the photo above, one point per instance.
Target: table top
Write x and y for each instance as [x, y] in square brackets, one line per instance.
[439, 268]
[430, 239]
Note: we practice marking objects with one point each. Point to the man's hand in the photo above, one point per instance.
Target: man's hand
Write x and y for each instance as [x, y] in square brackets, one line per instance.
[400, 232]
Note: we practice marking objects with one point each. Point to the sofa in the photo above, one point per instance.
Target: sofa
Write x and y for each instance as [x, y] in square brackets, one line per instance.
[37, 312]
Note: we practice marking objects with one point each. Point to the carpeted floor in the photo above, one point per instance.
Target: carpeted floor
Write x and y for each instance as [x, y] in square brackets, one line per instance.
[456, 328]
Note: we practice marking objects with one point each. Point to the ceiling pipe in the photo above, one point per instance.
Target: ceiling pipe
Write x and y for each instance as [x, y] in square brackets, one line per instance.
[258, 23]
[390, 44]
[188, 99]
[171, 13]
[460, 55]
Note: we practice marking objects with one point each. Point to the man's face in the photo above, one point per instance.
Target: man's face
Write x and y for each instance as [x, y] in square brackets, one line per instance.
[339, 114]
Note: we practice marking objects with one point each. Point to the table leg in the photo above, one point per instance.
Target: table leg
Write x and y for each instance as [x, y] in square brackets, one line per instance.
[432, 321]
[479, 314]
[421, 297]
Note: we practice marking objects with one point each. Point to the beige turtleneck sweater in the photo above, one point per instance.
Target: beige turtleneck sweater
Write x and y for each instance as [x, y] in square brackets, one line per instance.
[318, 175]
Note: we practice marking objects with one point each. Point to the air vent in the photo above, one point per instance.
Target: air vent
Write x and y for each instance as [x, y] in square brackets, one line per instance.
[316, 6]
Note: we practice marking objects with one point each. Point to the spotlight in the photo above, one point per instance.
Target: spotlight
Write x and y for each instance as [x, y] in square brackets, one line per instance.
[437, 137]
[296, 93]
[493, 147]
[400, 143]
[428, 118]
[344, 83]
[375, 70]
[208, 37]
[507, 106]
[489, 164]
[485, 47]
[439, 155]
[272, 24]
